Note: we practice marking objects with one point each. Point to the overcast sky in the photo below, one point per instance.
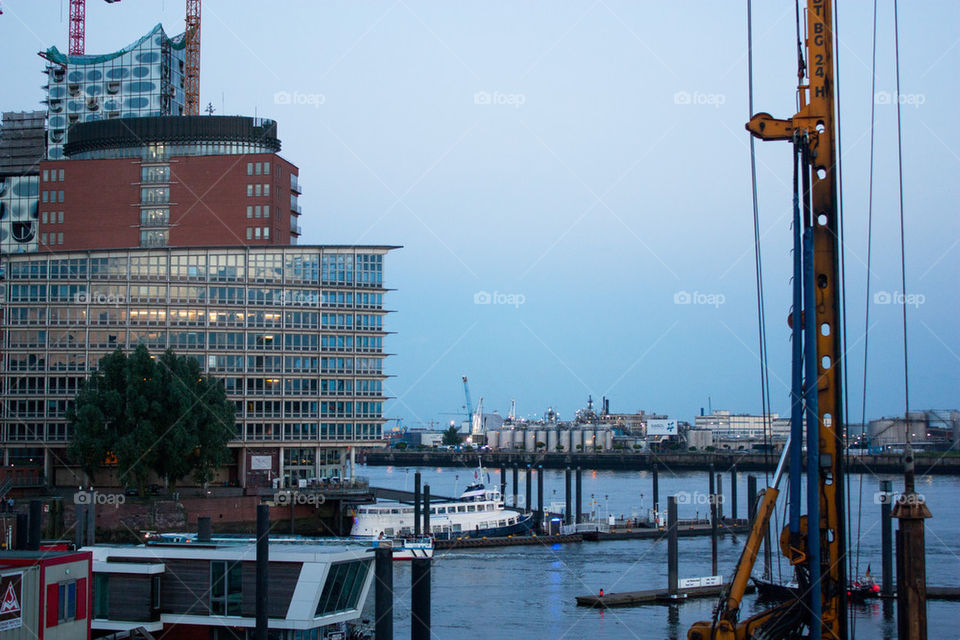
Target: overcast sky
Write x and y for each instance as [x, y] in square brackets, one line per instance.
[584, 164]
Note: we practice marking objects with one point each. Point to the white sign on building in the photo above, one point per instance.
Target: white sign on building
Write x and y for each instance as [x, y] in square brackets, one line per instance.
[662, 428]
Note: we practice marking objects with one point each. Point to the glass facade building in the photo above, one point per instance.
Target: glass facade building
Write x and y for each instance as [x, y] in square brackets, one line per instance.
[296, 334]
[142, 79]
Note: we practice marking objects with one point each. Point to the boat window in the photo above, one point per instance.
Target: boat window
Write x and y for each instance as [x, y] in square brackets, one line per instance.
[395, 511]
[442, 510]
[471, 507]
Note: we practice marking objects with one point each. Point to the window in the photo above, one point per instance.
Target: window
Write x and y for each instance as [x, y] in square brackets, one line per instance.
[249, 168]
[60, 237]
[249, 190]
[256, 211]
[67, 602]
[101, 595]
[154, 195]
[151, 174]
[266, 211]
[266, 189]
[266, 168]
[249, 233]
[249, 211]
[43, 237]
[60, 171]
[257, 189]
[154, 217]
[43, 217]
[59, 217]
[341, 591]
[266, 233]
[154, 238]
[60, 196]
[256, 233]
[46, 177]
[226, 588]
[259, 168]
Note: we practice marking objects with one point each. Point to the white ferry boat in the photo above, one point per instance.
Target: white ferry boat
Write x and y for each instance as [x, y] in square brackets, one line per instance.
[479, 512]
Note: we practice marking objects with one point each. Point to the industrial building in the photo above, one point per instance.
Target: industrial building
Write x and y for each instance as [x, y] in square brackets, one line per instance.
[937, 429]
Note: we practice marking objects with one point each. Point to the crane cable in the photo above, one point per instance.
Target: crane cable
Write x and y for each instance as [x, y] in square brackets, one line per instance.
[866, 323]
[903, 254]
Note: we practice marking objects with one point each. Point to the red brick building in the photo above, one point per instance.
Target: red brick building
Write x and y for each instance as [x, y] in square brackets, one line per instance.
[169, 181]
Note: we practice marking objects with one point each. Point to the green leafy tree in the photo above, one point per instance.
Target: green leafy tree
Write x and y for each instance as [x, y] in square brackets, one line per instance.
[452, 437]
[151, 414]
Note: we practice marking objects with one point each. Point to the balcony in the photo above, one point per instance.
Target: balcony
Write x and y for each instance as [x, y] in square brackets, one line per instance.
[295, 229]
[295, 184]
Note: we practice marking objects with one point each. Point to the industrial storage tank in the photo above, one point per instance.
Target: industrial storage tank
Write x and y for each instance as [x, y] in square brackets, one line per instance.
[576, 440]
[552, 440]
[564, 439]
[493, 439]
[588, 440]
[530, 440]
[542, 436]
[506, 439]
[608, 440]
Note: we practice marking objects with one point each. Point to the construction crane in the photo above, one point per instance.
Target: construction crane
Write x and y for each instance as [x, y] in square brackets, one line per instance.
[191, 73]
[78, 20]
[815, 543]
[469, 405]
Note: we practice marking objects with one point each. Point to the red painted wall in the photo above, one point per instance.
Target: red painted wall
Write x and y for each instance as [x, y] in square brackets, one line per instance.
[208, 202]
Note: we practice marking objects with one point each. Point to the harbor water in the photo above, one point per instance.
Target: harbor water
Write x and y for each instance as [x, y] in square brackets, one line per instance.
[530, 591]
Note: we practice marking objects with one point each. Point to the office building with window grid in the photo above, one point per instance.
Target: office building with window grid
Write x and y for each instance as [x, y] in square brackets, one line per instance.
[295, 332]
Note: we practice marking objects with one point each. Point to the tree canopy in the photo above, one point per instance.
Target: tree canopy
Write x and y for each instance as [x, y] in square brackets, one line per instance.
[452, 437]
[151, 414]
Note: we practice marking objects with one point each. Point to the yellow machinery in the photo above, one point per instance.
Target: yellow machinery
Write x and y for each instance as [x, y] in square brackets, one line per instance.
[812, 130]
